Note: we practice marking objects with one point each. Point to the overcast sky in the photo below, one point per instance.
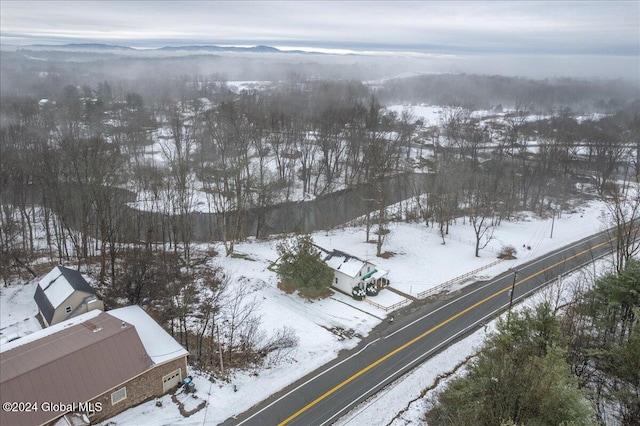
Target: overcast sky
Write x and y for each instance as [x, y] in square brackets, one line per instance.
[532, 27]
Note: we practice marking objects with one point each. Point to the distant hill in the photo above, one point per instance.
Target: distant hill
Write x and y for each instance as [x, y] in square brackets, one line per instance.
[189, 48]
[78, 46]
[214, 48]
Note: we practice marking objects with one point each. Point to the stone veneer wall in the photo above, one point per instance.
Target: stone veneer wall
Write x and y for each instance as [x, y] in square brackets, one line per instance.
[139, 389]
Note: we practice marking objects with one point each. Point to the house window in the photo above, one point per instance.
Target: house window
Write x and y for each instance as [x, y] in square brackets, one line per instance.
[336, 280]
[368, 268]
[119, 395]
[67, 309]
[360, 273]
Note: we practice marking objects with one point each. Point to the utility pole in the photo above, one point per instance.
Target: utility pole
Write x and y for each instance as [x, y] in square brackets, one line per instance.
[553, 221]
[513, 287]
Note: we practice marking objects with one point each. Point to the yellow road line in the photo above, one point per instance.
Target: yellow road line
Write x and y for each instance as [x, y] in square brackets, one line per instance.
[426, 333]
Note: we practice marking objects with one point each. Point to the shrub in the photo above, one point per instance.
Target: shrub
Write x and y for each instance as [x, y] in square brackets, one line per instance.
[507, 252]
[372, 289]
[358, 293]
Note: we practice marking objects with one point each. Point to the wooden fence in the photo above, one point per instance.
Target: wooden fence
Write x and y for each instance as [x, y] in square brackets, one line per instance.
[441, 287]
[388, 308]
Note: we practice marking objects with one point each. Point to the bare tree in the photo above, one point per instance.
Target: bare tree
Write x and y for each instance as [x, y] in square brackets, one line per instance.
[214, 289]
[608, 147]
[18, 155]
[355, 136]
[307, 149]
[226, 179]
[178, 153]
[481, 214]
[90, 170]
[329, 138]
[239, 320]
[381, 159]
[624, 209]
[11, 253]
[262, 181]
[445, 194]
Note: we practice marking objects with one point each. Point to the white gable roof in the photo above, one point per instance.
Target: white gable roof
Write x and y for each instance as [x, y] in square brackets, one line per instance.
[56, 287]
[346, 264]
[159, 344]
[334, 262]
[50, 330]
[352, 266]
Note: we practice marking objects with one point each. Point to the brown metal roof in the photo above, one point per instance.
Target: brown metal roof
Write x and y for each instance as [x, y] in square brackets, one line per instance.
[73, 365]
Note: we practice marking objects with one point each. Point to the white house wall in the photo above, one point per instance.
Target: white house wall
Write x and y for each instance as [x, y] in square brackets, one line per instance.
[346, 282]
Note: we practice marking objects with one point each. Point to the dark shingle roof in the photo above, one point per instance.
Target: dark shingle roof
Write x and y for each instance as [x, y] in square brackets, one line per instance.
[44, 305]
[59, 276]
[76, 280]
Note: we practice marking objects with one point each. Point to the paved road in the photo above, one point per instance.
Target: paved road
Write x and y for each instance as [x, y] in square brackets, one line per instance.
[423, 329]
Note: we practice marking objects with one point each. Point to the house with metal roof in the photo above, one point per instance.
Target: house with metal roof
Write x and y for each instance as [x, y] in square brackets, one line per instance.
[64, 293]
[91, 367]
[350, 271]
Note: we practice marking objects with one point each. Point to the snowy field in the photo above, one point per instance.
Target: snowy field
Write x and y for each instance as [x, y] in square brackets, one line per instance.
[429, 114]
[326, 327]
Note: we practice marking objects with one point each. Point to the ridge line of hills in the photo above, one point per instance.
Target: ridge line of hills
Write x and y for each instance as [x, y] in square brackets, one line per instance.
[204, 47]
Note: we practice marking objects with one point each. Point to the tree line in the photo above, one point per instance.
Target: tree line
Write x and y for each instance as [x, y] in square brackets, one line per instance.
[490, 91]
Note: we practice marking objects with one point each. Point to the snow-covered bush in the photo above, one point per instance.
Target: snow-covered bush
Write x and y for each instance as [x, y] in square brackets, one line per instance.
[372, 289]
[358, 293]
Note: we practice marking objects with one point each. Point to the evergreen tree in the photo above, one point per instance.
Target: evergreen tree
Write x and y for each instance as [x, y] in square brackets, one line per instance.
[520, 377]
[604, 342]
[301, 267]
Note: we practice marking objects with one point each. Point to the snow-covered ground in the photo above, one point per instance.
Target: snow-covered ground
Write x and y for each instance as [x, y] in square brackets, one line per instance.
[326, 327]
[429, 114]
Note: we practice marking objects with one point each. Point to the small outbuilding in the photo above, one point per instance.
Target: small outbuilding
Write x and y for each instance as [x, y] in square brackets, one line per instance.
[64, 293]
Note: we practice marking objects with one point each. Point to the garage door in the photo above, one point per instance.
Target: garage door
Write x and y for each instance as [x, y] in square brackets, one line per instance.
[171, 380]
